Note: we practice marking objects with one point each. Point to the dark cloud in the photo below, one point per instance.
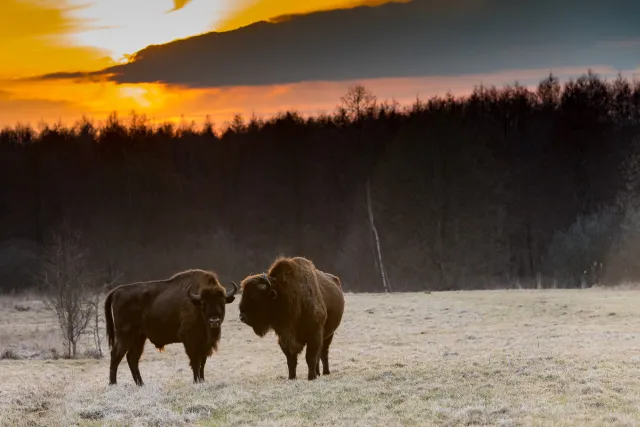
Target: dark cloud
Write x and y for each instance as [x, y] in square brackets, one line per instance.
[423, 37]
[84, 76]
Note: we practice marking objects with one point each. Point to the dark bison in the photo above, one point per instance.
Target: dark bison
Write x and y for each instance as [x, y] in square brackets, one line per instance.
[166, 312]
[303, 306]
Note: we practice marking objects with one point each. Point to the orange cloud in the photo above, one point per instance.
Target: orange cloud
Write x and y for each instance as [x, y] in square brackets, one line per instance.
[36, 39]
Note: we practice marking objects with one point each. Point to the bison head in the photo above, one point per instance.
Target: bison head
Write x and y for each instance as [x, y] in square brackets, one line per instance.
[211, 302]
[257, 303]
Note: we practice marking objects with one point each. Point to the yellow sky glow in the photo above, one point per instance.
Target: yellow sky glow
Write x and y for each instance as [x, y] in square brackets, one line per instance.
[37, 38]
[126, 26]
[47, 36]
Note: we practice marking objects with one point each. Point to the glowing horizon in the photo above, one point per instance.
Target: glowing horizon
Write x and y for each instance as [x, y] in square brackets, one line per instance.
[162, 103]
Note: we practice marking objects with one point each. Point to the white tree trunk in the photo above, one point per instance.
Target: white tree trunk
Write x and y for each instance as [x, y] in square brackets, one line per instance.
[383, 274]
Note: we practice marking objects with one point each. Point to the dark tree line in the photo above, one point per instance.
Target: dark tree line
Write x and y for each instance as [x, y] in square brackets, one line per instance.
[503, 186]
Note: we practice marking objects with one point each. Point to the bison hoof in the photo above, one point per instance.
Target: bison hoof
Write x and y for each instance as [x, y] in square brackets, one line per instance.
[326, 372]
[312, 377]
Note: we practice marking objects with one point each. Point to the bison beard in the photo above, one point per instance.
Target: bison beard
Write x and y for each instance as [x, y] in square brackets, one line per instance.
[166, 312]
[303, 306]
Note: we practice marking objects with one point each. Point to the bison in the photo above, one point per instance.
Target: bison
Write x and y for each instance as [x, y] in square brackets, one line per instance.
[166, 312]
[302, 305]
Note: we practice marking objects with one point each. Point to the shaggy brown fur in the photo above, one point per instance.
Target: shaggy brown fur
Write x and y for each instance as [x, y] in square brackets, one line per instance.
[187, 308]
[302, 305]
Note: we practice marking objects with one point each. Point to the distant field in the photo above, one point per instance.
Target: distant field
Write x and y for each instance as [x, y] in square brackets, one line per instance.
[506, 358]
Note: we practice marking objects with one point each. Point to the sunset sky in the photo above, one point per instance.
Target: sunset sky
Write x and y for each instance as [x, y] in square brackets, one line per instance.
[66, 58]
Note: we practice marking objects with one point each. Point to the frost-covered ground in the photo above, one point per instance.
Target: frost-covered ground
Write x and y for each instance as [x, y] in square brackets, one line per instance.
[517, 357]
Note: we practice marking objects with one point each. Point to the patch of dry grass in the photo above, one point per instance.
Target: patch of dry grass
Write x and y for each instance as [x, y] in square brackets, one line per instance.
[507, 358]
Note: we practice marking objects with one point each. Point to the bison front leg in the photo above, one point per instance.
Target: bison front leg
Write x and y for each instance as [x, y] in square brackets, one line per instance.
[292, 359]
[203, 361]
[195, 361]
[314, 345]
[195, 367]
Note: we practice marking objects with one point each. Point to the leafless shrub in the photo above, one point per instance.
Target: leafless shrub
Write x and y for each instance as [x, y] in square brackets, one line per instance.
[93, 353]
[21, 308]
[9, 354]
[68, 286]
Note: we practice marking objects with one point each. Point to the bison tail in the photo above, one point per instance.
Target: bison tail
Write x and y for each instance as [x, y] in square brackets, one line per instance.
[108, 318]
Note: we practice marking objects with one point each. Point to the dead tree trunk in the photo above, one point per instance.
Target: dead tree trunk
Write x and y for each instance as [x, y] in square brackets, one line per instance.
[376, 237]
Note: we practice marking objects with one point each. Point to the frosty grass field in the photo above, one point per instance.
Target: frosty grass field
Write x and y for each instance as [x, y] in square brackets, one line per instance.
[506, 358]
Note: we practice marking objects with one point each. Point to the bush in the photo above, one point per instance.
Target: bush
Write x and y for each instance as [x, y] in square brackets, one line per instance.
[578, 256]
[68, 286]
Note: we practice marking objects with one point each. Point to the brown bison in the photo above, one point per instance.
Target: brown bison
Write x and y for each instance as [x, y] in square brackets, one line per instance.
[303, 306]
[166, 312]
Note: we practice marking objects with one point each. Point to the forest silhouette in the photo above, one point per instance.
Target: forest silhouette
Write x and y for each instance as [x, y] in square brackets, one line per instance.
[505, 187]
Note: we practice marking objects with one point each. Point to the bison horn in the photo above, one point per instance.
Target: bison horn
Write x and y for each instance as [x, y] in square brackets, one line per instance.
[233, 292]
[267, 279]
[194, 297]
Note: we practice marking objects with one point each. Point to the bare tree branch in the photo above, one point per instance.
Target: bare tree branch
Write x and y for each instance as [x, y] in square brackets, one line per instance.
[68, 285]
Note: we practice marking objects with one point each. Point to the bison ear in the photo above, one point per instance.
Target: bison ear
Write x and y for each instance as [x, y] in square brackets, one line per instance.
[273, 294]
[229, 300]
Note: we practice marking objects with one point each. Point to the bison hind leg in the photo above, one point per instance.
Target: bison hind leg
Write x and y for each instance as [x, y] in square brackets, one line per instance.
[117, 353]
[133, 359]
[324, 355]
[314, 345]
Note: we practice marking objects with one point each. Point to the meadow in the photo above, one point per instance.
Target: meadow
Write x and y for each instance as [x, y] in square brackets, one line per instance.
[503, 357]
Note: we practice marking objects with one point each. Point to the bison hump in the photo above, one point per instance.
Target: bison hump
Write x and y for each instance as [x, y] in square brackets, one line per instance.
[289, 269]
